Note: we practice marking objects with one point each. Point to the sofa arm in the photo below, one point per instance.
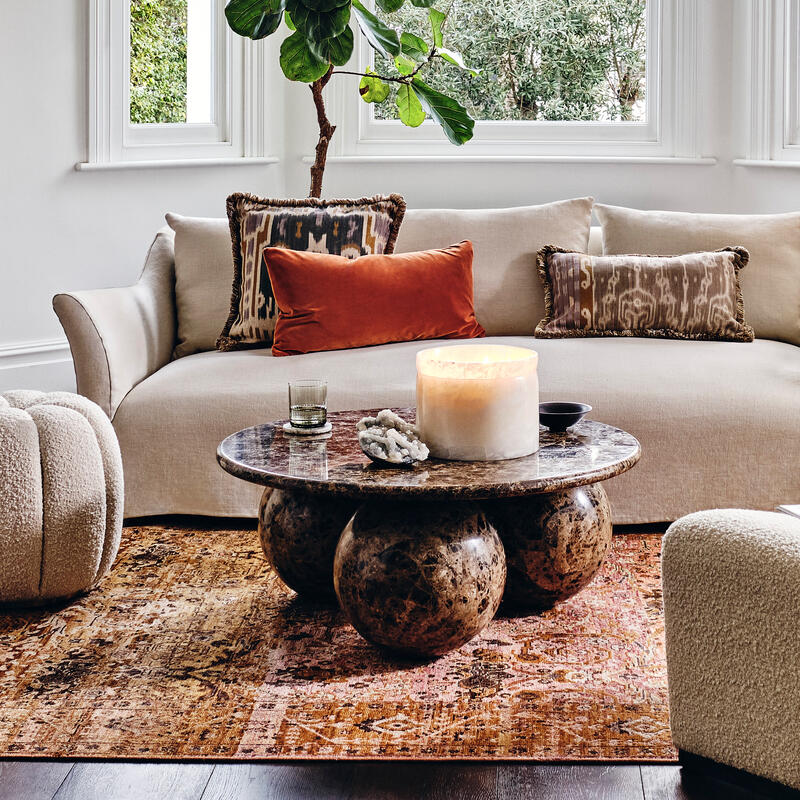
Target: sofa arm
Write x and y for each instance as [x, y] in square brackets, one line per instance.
[732, 613]
[120, 336]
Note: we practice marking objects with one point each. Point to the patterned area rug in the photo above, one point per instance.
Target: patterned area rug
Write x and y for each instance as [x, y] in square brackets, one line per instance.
[193, 648]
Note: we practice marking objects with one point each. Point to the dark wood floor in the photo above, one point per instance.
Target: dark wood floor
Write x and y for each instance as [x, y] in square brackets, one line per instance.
[104, 780]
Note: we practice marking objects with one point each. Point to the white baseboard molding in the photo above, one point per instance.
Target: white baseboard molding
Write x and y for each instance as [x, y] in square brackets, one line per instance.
[39, 364]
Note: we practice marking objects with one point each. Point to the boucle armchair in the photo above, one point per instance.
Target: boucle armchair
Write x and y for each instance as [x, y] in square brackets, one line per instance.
[732, 607]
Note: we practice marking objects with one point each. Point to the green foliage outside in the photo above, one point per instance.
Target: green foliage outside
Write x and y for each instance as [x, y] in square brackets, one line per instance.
[532, 60]
[158, 61]
[539, 59]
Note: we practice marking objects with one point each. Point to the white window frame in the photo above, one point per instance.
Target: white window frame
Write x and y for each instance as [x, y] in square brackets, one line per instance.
[672, 129]
[773, 84]
[240, 78]
[792, 87]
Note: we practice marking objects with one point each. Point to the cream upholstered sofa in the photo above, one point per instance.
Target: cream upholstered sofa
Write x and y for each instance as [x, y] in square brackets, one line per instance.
[719, 422]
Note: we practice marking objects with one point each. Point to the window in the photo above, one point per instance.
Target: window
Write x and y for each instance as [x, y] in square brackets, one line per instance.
[791, 71]
[170, 82]
[557, 77]
[544, 60]
[773, 81]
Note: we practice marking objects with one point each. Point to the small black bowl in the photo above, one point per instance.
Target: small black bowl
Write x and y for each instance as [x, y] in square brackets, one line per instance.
[560, 416]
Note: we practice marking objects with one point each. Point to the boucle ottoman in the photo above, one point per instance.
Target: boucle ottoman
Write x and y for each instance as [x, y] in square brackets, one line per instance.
[732, 608]
[61, 496]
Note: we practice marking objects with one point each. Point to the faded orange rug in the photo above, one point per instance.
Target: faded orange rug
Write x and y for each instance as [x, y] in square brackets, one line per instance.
[193, 648]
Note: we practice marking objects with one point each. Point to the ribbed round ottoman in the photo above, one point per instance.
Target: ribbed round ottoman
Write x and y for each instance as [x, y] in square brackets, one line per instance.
[61, 496]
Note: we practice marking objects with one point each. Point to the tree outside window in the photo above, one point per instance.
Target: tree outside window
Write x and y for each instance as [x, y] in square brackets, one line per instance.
[547, 60]
[158, 61]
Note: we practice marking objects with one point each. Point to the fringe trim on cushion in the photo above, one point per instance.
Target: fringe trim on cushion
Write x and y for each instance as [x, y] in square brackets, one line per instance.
[741, 257]
[238, 204]
[543, 267]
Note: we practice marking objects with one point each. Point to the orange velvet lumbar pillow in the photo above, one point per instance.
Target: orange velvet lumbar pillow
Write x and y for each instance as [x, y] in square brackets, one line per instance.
[329, 302]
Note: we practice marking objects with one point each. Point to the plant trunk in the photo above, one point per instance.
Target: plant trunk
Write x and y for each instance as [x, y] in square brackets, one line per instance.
[326, 131]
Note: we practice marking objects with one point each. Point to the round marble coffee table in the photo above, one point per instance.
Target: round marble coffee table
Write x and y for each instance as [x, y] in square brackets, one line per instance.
[414, 555]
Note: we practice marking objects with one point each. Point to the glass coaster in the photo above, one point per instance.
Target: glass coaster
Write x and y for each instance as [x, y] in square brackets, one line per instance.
[290, 429]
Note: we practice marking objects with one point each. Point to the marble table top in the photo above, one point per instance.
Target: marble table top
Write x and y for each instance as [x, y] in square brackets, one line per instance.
[587, 453]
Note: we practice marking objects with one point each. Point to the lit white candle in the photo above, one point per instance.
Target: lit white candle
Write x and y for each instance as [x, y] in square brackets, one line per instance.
[478, 402]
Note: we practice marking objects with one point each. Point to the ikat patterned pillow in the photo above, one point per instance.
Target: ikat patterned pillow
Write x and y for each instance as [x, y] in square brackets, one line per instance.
[693, 296]
[350, 228]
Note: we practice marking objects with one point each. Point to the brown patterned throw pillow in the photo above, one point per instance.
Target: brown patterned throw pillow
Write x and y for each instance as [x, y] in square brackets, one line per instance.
[693, 296]
[351, 228]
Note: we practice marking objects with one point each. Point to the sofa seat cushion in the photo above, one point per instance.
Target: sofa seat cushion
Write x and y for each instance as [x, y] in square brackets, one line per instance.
[718, 421]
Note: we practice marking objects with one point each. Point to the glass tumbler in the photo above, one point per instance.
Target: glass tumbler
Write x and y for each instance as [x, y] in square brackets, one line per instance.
[308, 403]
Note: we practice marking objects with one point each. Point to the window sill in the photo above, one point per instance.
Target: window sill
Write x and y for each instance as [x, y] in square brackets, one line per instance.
[773, 163]
[472, 158]
[88, 166]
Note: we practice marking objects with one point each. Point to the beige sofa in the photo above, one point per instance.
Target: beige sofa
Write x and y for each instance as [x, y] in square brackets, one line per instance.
[719, 422]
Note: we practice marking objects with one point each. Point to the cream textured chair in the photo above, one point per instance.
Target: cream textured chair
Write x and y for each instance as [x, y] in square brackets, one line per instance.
[732, 606]
[61, 496]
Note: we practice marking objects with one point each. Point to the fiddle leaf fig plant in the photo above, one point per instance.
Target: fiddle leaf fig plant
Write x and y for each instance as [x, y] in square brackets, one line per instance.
[320, 39]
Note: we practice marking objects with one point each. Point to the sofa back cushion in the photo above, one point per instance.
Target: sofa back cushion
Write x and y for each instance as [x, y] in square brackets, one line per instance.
[771, 282]
[203, 275]
[595, 241]
[509, 299]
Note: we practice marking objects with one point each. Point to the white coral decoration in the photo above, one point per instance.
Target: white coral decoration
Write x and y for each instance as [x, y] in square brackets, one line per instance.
[389, 438]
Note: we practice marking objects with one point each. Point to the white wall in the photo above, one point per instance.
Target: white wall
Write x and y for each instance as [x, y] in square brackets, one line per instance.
[61, 229]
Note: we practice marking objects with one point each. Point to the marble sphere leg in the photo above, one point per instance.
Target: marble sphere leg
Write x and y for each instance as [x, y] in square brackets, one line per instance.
[299, 532]
[555, 543]
[420, 578]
